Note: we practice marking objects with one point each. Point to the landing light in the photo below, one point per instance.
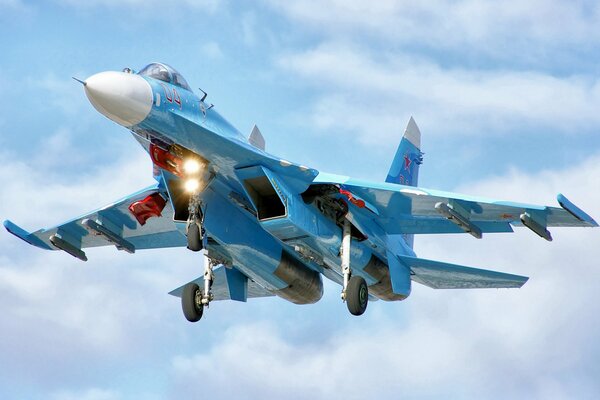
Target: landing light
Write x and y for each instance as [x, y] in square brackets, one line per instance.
[192, 185]
[191, 166]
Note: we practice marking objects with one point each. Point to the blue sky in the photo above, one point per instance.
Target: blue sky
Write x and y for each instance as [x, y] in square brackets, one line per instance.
[507, 96]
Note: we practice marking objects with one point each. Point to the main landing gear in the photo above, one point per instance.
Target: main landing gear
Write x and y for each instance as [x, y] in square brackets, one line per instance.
[194, 299]
[354, 291]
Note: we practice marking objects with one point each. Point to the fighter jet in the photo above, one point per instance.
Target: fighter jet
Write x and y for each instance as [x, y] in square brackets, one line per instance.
[272, 227]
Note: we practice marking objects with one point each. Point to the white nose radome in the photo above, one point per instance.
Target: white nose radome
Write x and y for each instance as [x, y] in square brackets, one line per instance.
[125, 98]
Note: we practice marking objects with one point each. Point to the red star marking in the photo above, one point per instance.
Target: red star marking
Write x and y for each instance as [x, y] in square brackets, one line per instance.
[407, 162]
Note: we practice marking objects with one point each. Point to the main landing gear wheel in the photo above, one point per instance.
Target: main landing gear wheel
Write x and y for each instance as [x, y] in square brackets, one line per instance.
[357, 295]
[194, 238]
[191, 302]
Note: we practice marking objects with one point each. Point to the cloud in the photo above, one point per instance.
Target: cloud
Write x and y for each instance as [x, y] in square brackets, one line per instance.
[149, 6]
[535, 342]
[67, 194]
[113, 311]
[249, 29]
[60, 311]
[348, 364]
[212, 50]
[372, 96]
[13, 5]
[70, 327]
[89, 394]
[523, 29]
[62, 94]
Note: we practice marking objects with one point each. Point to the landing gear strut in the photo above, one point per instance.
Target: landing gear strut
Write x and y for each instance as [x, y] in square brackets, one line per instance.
[208, 281]
[194, 299]
[195, 224]
[354, 291]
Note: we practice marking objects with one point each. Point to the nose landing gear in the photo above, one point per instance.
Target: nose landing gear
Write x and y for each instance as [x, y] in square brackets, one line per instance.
[195, 224]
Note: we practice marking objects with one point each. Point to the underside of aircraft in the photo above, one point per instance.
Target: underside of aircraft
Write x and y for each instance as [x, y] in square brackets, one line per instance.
[271, 227]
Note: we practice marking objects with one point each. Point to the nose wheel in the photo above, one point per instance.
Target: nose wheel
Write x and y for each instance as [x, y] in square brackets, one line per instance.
[354, 290]
[195, 224]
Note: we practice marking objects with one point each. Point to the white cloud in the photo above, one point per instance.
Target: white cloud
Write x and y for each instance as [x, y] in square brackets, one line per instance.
[149, 6]
[249, 29]
[212, 50]
[373, 98]
[69, 327]
[13, 4]
[29, 198]
[525, 29]
[58, 95]
[540, 340]
[61, 311]
[535, 342]
[89, 394]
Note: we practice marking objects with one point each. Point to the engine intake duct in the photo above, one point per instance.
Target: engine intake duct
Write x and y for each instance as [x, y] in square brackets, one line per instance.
[265, 197]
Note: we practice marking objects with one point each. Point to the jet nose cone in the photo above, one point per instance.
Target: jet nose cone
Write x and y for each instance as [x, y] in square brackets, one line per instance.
[125, 98]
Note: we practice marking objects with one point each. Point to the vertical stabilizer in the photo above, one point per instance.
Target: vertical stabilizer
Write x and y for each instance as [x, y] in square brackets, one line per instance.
[256, 138]
[405, 166]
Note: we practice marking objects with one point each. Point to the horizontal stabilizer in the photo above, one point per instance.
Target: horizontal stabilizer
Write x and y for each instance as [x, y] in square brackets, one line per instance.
[439, 275]
[226, 286]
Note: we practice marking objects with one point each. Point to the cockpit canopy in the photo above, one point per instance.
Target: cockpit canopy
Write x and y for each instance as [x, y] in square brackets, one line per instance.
[165, 73]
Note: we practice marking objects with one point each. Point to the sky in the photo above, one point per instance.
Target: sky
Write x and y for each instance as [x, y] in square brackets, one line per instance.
[507, 96]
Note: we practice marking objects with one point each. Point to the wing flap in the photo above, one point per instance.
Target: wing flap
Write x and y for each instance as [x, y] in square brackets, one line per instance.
[439, 275]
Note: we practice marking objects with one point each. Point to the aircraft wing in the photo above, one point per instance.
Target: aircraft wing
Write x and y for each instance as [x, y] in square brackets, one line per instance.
[142, 220]
[400, 209]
